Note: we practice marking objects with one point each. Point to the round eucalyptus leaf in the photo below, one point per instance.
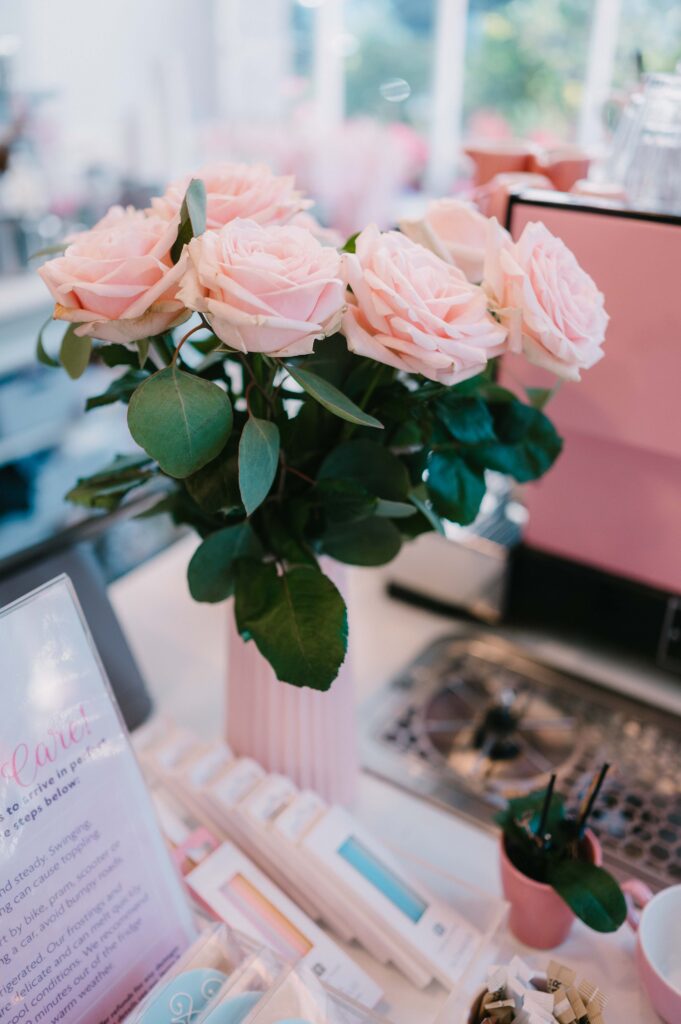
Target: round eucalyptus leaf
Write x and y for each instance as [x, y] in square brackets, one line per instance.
[180, 420]
[211, 569]
[373, 541]
[370, 465]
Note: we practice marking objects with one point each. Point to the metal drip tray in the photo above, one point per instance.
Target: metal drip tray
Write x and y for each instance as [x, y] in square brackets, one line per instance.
[476, 720]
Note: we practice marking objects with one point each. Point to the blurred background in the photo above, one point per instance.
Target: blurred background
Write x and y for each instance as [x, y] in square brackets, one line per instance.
[372, 104]
[362, 99]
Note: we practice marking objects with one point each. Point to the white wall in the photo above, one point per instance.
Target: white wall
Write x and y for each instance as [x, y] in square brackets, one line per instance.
[126, 81]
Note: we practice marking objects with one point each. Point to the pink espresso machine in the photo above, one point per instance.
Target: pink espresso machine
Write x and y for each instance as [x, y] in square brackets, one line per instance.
[602, 547]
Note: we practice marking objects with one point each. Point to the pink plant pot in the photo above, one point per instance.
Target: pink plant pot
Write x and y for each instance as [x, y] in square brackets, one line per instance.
[538, 916]
[305, 734]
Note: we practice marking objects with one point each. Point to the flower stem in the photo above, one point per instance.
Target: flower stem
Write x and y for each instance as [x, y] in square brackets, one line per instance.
[199, 327]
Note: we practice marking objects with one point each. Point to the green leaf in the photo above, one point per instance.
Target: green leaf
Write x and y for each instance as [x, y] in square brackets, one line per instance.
[183, 511]
[40, 351]
[192, 217]
[107, 487]
[49, 250]
[590, 892]
[538, 397]
[206, 345]
[528, 443]
[117, 355]
[419, 498]
[331, 398]
[350, 245]
[283, 535]
[216, 487]
[211, 569]
[370, 465]
[258, 461]
[180, 420]
[394, 509]
[467, 419]
[298, 621]
[120, 390]
[74, 354]
[532, 804]
[345, 500]
[331, 359]
[143, 350]
[456, 488]
[372, 541]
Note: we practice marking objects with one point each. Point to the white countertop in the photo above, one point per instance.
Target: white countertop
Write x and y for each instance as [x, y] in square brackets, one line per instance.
[181, 650]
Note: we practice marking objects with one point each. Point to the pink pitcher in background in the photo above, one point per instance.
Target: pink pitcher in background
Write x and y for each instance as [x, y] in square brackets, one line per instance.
[305, 734]
[658, 945]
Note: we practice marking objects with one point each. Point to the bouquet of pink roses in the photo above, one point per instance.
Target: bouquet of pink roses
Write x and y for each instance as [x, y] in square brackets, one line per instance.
[323, 402]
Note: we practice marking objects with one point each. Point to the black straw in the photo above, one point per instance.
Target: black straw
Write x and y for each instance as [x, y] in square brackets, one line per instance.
[541, 832]
[590, 799]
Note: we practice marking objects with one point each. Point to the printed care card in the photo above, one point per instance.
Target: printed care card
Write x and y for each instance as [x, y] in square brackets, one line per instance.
[91, 911]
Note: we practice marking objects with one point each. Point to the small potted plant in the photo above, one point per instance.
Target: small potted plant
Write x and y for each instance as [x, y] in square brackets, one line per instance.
[551, 868]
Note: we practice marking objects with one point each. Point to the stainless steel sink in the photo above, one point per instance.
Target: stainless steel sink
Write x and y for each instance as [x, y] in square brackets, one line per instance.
[476, 719]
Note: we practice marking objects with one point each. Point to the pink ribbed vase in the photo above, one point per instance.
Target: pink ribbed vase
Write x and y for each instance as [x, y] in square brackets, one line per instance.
[302, 733]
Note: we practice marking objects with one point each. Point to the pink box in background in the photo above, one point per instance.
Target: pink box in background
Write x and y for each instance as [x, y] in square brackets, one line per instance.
[613, 499]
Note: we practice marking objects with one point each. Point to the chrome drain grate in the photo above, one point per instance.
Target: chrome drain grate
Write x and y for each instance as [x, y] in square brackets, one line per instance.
[475, 720]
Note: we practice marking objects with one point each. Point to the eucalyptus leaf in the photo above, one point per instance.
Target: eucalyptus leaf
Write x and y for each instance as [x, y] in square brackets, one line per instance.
[192, 217]
[258, 461]
[107, 487]
[211, 569]
[394, 509]
[370, 465]
[119, 390]
[345, 500]
[590, 892]
[117, 355]
[372, 541]
[206, 345]
[41, 353]
[215, 487]
[143, 350]
[298, 621]
[419, 498]
[49, 250]
[456, 488]
[331, 359]
[74, 354]
[283, 535]
[331, 398]
[180, 420]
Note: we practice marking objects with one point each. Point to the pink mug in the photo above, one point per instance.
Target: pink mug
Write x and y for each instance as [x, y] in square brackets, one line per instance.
[658, 945]
[499, 156]
[538, 916]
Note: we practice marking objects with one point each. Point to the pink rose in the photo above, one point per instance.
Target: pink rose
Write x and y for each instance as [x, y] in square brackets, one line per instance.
[117, 281]
[415, 312]
[269, 289]
[455, 231]
[327, 236]
[249, 191]
[553, 310]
